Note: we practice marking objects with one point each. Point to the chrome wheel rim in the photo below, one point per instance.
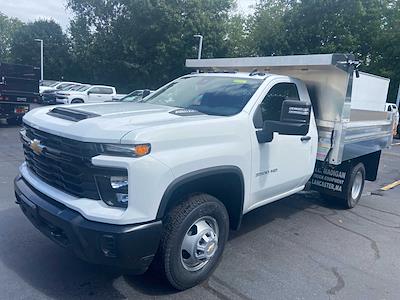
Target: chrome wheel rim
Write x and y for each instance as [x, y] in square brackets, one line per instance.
[357, 185]
[199, 244]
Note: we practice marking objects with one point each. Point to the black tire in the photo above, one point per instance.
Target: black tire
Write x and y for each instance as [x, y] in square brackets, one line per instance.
[76, 101]
[14, 121]
[351, 199]
[178, 223]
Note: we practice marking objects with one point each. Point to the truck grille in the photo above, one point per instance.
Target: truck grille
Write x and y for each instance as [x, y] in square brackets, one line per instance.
[64, 163]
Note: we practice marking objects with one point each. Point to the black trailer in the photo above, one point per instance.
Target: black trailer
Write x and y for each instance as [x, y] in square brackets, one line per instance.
[19, 86]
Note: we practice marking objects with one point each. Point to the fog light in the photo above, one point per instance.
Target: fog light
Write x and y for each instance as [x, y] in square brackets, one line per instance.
[108, 246]
[113, 190]
[118, 181]
[122, 198]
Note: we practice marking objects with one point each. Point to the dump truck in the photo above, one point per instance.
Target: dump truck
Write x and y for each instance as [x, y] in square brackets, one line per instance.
[161, 182]
[19, 87]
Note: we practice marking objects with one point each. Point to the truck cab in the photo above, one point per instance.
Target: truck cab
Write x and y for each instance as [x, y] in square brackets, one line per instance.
[162, 181]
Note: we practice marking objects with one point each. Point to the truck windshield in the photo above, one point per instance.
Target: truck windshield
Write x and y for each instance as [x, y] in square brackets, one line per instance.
[222, 96]
[83, 88]
[133, 97]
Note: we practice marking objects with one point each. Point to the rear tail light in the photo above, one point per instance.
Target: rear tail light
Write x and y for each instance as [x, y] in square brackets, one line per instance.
[21, 109]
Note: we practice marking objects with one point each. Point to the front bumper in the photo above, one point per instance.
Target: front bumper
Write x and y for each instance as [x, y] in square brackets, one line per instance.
[125, 246]
[61, 100]
[49, 99]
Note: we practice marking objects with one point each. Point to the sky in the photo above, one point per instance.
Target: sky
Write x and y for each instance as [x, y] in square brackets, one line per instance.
[31, 10]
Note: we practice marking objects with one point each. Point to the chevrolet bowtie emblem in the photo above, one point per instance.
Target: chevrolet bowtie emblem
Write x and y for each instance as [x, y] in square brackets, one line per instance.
[36, 146]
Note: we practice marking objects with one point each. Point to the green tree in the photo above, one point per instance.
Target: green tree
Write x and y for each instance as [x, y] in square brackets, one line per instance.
[237, 39]
[144, 43]
[8, 26]
[25, 50]
[268, 33]
[386, 58]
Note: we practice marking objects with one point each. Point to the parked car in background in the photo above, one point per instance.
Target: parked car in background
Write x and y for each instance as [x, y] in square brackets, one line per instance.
[87, 94]
[134, 96]
[49, 96]
[47, 83]
[56, 86]
[391, 107]
[118, 97]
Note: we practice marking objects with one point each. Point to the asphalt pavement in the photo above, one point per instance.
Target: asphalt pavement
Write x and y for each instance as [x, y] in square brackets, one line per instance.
[301, 247]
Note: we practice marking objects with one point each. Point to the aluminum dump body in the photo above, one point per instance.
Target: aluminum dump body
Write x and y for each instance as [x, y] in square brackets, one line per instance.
[345, 131]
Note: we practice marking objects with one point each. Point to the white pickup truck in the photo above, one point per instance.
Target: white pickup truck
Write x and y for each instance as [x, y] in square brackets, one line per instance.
[87, 94]
[162, 181]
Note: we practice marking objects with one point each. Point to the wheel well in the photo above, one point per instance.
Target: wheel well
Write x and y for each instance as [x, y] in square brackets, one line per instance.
[225, 184]
[77, 100]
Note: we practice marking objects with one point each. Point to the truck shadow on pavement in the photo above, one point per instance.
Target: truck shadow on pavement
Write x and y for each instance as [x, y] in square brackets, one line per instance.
[283, 209]
[57, 273]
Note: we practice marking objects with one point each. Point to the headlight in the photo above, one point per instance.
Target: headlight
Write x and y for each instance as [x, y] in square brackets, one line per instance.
[127, 150]
[113, 190]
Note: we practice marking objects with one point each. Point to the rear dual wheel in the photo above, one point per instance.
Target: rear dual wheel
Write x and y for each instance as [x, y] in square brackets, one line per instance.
[194, 238]
[355, 186]
[352, 190]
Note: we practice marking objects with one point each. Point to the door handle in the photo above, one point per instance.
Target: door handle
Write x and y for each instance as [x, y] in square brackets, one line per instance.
[305, 138]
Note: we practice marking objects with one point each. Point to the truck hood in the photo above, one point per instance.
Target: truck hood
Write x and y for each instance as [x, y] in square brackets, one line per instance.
[107, 122]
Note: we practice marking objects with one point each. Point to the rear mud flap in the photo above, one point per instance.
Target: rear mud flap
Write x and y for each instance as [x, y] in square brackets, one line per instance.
[329, 179]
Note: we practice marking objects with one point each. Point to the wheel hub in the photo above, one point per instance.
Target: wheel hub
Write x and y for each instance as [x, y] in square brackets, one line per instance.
[357, 185]
[199, 244]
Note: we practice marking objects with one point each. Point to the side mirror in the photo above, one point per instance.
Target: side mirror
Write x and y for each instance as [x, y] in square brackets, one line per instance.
[265, 135]
[145, 93]
[294, 120]
[294, 111]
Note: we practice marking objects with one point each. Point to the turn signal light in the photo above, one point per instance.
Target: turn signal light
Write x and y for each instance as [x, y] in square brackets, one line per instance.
[127, 150]
[141, 150]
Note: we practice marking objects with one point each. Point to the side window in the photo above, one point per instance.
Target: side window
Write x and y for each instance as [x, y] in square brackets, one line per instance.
[95, 90]
[271, 106]
[101, 90]
[63, 86]
[106, 90]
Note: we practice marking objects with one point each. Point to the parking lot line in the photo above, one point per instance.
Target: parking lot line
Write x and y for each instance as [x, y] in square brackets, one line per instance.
[395, 144]
[390, 186]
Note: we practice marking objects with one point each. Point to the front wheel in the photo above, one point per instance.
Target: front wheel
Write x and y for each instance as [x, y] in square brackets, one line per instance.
[194, 238]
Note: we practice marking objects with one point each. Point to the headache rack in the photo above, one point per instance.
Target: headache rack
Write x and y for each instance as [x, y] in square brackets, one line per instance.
[349, 105]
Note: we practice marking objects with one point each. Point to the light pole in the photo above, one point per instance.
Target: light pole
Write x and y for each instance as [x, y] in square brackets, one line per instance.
[41, 58]
[200, 44]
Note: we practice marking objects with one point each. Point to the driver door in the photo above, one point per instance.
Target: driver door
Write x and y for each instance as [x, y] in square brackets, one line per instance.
[284, 165]
[96, 94]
